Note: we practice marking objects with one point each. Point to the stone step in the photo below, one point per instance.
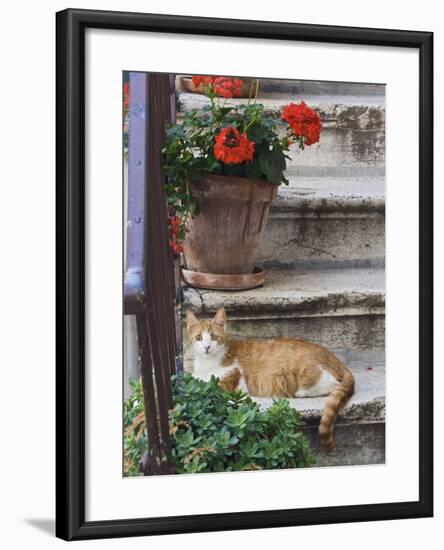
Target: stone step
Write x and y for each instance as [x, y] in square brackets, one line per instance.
[366, 405]
[357, 444]
[326, 221]
[364, 112]
[344, 90]
[341, 152]
[338, 308]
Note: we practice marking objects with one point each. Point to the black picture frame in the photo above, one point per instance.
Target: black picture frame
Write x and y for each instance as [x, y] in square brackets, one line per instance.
[70, 315]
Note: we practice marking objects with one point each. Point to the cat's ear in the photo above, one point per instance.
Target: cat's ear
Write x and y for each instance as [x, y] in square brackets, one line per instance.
[220, 319]
[192, 320]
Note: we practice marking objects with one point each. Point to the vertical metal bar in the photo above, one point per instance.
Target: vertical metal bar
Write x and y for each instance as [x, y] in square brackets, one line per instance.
[163, 404]
[157, 224]
[151, 462]
[159, 274]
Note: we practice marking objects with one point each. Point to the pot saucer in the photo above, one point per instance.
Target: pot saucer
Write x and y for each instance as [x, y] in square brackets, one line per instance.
[213, 281]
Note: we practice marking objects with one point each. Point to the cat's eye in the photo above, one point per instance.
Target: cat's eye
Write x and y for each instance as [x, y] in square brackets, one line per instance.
[199, 337]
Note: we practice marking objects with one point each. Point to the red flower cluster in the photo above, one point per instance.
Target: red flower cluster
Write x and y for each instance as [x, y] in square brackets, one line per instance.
[174, 228]
[126, 96]
[231, 147]
[305, 122]
[202, 81]
[223, 86]
[228, 87]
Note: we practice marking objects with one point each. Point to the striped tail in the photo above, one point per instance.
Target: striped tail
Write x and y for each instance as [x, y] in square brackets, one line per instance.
[336, 401]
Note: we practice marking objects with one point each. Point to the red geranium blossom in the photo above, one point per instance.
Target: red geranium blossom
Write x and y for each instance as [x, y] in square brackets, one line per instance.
[231, 147]
[305, 122]
[202, 81]
[178, 248]
[174, 223]
[126, 96]
[228, 87]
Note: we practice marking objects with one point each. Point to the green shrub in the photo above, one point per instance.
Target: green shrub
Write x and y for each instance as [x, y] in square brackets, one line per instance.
[217, 431]
[214, 431]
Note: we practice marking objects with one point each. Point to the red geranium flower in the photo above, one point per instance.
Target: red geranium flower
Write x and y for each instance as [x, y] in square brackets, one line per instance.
[231, 147]
[228, 87]
[178, 248]
[126, 95]
[304, 122]
[174, 224]
[202, 81]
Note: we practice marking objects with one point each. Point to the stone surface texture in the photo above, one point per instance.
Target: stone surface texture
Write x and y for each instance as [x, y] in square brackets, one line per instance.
[320, 221]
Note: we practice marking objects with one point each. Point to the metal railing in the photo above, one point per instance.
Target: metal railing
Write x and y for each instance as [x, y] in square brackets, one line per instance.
[149, 282]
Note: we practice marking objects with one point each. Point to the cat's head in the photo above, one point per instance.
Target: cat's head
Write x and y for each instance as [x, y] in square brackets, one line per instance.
[207, 337]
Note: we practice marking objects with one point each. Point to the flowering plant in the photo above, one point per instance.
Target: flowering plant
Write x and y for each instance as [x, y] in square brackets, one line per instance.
[233, 140]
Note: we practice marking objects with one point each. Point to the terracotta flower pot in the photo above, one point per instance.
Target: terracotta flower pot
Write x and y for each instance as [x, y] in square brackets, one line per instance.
[224, 238]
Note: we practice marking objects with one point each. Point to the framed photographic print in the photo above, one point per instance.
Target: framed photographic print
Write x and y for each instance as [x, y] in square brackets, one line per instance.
[244, 274]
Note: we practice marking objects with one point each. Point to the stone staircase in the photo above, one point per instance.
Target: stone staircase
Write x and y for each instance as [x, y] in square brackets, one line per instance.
[324, 255]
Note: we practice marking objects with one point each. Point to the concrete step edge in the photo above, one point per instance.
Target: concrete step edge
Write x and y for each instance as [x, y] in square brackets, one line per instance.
[305, 197]
[290, 294]
[270, 85]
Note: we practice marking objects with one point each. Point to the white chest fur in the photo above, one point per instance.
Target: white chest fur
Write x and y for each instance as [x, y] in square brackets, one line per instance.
[208, 358]
[206, 367]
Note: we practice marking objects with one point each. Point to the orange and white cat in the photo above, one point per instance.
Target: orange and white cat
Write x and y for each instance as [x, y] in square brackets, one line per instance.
[277, 367]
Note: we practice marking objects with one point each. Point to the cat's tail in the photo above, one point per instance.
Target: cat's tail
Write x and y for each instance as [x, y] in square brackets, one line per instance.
[336, 401]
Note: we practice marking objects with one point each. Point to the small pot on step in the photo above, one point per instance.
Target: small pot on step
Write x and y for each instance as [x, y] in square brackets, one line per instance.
[222, 242]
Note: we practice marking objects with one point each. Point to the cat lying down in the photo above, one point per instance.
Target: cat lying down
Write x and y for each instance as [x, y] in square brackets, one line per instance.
[277, 367]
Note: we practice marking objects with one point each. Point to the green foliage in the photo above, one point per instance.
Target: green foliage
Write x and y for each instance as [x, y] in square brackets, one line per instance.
[135, 440]
[215, 431]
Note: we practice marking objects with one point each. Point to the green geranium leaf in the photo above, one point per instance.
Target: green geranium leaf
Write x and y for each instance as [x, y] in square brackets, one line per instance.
[253, 169]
